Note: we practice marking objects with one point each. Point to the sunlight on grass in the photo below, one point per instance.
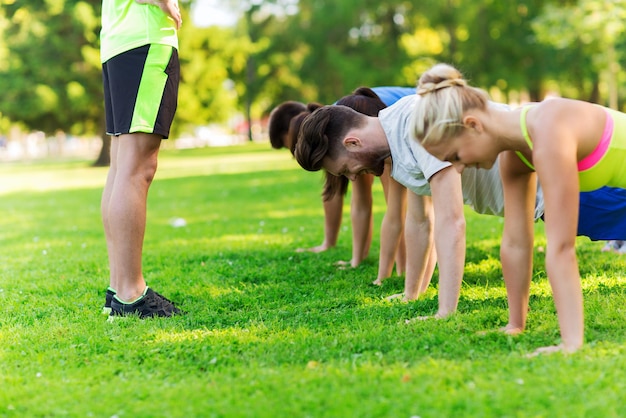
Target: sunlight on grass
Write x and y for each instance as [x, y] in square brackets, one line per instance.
[593, 283]
[243, 240]
[241, 334]
[541, 288]
[244, 335]
[483, 293]
[485, 244]
[486, 267]
[306, 213]
[269, 332]
[218, 291]
[224, 164]
[42, 178]
[605, 350]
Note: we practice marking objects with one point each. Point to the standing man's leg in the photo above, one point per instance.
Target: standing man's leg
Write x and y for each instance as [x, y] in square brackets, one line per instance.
[141, 87]
[104, 210]
[133, 165]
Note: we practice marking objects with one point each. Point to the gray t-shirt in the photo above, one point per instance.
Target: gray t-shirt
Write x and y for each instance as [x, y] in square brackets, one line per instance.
[413, 167]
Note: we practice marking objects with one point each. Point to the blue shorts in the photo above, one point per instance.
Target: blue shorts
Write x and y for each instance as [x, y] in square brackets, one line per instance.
[602, 214]
[141, 90]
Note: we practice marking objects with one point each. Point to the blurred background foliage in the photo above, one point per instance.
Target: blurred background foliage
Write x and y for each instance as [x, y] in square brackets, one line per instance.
[314, 50]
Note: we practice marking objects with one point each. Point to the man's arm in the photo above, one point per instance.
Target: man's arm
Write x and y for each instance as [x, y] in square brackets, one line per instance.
[391, 229]
[421, 257]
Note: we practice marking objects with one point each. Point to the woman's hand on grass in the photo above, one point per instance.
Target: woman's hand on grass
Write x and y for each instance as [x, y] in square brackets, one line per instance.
[512, 329]
[396, 297]
[343, 265]
[508, 329]
[561, 348]
[438, 315]
[317, 249]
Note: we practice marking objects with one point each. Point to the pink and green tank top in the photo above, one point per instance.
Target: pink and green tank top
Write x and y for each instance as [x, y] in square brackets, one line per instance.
[606, 164]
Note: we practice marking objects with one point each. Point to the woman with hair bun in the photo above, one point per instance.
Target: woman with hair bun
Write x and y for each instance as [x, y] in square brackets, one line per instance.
[569, 145]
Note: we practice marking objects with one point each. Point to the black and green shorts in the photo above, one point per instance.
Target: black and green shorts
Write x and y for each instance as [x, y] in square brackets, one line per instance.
[141, 90]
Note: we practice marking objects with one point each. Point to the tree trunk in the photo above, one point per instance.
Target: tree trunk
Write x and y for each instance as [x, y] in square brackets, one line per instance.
[104, 159]
[250, 73]
[613, 77]
[594, 96]
[250, 77]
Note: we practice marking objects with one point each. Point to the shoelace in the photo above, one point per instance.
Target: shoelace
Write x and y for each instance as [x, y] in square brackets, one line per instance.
[164, 298]
[162, 304]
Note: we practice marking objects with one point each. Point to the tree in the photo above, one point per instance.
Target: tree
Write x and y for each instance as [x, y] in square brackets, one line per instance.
[311, 50]
[492, 42]
[51, 78]
[265, 68]
[205, 92]
[591, 30]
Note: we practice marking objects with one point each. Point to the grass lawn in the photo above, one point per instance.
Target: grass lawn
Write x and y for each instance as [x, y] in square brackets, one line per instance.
[270, 332]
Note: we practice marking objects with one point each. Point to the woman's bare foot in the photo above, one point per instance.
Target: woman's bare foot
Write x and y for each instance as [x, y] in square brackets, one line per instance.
[512, 329]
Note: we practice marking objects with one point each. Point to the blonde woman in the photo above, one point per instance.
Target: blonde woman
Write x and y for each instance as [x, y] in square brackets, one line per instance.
[569, 145]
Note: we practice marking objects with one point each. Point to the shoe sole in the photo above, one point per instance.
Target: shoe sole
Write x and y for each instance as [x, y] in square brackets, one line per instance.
[118, 318]
[114, 318]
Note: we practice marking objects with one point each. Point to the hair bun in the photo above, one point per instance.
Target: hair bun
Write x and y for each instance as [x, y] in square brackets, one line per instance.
[430, 87]
[311, 107]
[439, 77]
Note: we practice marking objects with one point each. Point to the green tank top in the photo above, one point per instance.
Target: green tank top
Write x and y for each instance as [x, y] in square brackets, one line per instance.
[127, 24]
[610, 169]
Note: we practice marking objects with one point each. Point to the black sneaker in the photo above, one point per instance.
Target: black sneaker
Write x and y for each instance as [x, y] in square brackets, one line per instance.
[108, 297]
[149, 305]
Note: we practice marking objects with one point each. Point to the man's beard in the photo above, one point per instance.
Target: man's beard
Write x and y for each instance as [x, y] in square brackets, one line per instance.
[374, 162]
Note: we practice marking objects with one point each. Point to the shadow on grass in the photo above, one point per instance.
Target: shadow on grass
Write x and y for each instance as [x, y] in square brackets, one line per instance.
[249, 296]
[309, 307]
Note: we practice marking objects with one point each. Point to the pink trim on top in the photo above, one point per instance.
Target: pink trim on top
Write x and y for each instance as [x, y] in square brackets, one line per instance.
[597, 154]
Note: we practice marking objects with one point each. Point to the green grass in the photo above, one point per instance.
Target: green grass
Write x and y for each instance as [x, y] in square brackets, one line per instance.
[270, 332]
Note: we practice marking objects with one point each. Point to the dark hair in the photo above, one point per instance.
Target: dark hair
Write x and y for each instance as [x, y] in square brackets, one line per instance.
[296, 122]
[321, 133]
[363, 100]
[333, 185]
[284, 124]
[279, 121]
